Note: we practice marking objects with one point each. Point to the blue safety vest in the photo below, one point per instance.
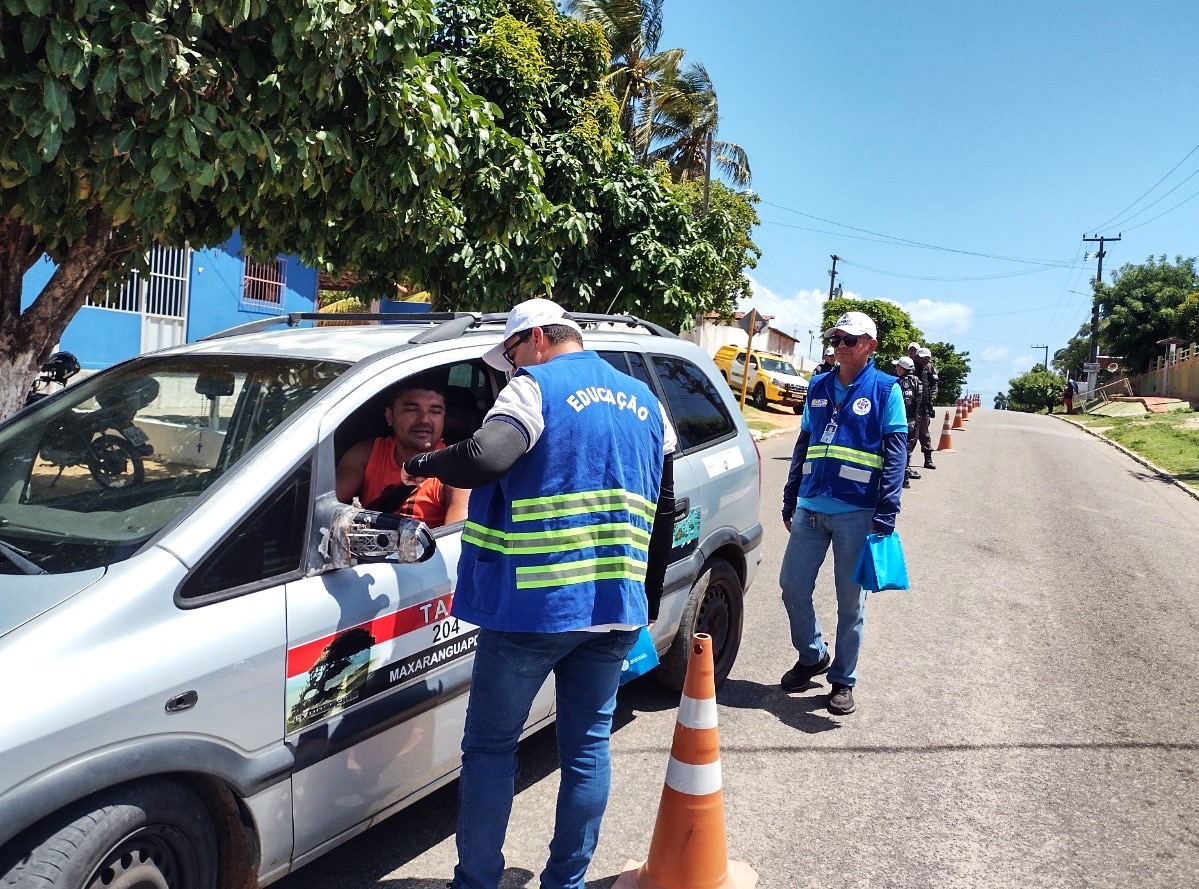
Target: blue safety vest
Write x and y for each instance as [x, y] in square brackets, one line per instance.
[561, 542]
[850, 467]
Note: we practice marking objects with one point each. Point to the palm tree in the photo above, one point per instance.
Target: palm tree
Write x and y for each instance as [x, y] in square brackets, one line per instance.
[638, 71]
[684, 129]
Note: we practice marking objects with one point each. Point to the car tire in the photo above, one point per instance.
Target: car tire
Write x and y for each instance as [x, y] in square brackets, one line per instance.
[714, 606]
[152, 833]
[760, 397]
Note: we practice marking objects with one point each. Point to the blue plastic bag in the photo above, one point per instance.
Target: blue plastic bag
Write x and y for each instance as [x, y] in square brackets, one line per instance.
[881, 565]
[642, 657]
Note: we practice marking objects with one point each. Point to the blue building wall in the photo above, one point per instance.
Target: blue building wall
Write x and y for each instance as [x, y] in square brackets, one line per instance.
[100, 338]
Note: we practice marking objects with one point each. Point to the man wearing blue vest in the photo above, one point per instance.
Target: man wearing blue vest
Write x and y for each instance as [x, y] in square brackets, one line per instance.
[847, 472]
[562, 564]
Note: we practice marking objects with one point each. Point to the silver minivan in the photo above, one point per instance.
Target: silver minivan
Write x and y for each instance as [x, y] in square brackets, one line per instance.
[213, 671]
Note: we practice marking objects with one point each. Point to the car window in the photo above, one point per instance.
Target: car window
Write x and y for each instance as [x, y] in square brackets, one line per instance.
[90, 475]
[775, 365]
[268, 543]
[695, 406]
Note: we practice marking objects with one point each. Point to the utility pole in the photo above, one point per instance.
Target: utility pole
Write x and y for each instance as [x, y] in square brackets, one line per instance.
[832, 275]
[1046, 348]
[1092, 369]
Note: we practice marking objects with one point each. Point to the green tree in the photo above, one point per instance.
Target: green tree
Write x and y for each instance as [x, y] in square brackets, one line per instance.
[684, 128]
[618, 236]
[895, 326]
[1031, 391]
[1188, 318]
[638, 71]
[1142, 305]
[952, 369]
[329, 130]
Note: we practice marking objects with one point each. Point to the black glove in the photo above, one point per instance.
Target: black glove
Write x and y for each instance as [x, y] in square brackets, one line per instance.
[932, 414]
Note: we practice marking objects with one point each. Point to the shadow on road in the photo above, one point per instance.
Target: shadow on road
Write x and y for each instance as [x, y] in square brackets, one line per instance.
[804, 710]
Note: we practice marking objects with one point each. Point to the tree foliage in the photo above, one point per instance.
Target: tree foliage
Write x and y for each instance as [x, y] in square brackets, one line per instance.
[895, 326]
[1032, 391]
[618, 236]
[1144, 304]
[325, 129]
[952, 369]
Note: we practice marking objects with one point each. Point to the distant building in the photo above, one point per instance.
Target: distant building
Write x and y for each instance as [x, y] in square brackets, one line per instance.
[187, 295]
[713, 333]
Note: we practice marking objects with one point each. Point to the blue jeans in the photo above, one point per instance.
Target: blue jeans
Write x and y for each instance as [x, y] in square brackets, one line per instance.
[509, 670]
[805, 553]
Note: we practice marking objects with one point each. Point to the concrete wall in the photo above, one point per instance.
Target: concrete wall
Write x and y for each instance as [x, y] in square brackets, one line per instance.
[1176, 379]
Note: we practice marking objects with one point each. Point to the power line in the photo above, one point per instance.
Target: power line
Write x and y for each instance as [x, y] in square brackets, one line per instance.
[906, 241]
[859, 265]
[1099, 228]
[1164, 212]
[1153, 204]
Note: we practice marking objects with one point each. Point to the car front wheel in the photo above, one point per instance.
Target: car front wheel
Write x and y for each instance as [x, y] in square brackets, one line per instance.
[760, 397]
[714, 606]
[148, 835]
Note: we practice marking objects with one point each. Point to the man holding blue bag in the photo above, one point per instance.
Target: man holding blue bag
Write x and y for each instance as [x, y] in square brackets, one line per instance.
[847, 472]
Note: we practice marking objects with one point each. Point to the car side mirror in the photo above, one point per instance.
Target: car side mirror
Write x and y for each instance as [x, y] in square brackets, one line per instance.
[362, 535]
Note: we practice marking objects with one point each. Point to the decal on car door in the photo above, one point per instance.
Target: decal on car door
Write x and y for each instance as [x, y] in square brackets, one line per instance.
[327, 675]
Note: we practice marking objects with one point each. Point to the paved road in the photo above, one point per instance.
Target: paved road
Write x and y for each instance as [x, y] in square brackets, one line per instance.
[1028, 714]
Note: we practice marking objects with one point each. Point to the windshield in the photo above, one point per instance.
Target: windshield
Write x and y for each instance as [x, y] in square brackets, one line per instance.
[89, 476]
[774, 365]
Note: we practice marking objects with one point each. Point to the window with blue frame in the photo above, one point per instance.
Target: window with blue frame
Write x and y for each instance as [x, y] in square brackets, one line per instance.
[262, 286]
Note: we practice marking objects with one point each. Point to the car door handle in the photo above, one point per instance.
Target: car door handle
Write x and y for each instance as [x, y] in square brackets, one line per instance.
[182, 702]
[682, 506]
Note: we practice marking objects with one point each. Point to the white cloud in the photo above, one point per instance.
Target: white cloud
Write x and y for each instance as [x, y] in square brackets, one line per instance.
[1024, 362]
[795, 314]
[996, 353]
[939, 320]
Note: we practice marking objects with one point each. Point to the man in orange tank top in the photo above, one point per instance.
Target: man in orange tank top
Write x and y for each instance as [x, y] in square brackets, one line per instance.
[371, 469]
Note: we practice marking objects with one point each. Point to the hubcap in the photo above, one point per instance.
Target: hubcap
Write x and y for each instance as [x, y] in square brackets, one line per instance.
[146, 860]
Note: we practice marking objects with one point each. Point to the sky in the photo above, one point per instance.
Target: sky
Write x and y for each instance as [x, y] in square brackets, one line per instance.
[955, 154]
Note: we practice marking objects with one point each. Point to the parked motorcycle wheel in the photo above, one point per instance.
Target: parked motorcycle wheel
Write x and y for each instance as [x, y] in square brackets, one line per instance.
[115, 463]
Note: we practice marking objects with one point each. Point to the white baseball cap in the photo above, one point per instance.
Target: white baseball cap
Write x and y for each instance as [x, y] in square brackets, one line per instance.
[525, 316]
[830, 351]
[912, 346]
[905, 362]
[855, 324]
[923, 353]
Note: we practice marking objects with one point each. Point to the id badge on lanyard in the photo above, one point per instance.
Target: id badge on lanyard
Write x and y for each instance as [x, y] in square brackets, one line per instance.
[829, 431]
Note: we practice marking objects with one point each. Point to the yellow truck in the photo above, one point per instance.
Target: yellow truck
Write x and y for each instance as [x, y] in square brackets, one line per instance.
[773, 379]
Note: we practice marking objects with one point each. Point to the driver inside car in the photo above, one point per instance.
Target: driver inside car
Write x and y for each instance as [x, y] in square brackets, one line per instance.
[370, 470]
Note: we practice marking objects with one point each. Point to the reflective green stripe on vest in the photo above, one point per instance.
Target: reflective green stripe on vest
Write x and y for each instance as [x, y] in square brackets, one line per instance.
[562, 505]
[582, 571]
[552, 541]
[848, 455]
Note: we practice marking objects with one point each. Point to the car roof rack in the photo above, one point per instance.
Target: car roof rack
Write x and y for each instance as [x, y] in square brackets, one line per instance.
[448, 325]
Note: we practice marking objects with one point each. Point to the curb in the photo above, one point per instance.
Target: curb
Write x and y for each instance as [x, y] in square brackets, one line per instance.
[773, 433]
[1157, 470]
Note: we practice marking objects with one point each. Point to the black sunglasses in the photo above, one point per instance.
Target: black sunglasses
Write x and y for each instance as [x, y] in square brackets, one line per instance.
[849, 340]
[520, 338]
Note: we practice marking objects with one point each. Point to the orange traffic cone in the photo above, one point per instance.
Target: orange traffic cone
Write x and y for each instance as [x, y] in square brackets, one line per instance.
[966, 409]
[688, 848]
[946, 443]
[957, 418]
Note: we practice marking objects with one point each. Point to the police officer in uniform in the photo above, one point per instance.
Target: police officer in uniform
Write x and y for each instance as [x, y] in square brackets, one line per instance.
[909, 387]
[829, 362]
[567, 537]
[928, 384]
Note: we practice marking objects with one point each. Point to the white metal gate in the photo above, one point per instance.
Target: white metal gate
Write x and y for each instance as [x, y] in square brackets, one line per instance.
[160, 298]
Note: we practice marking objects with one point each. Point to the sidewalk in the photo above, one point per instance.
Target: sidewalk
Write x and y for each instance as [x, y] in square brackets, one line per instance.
[1161, 473]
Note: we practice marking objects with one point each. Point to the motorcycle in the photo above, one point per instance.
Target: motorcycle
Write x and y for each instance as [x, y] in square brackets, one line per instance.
[59, 368]
[105, 440]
